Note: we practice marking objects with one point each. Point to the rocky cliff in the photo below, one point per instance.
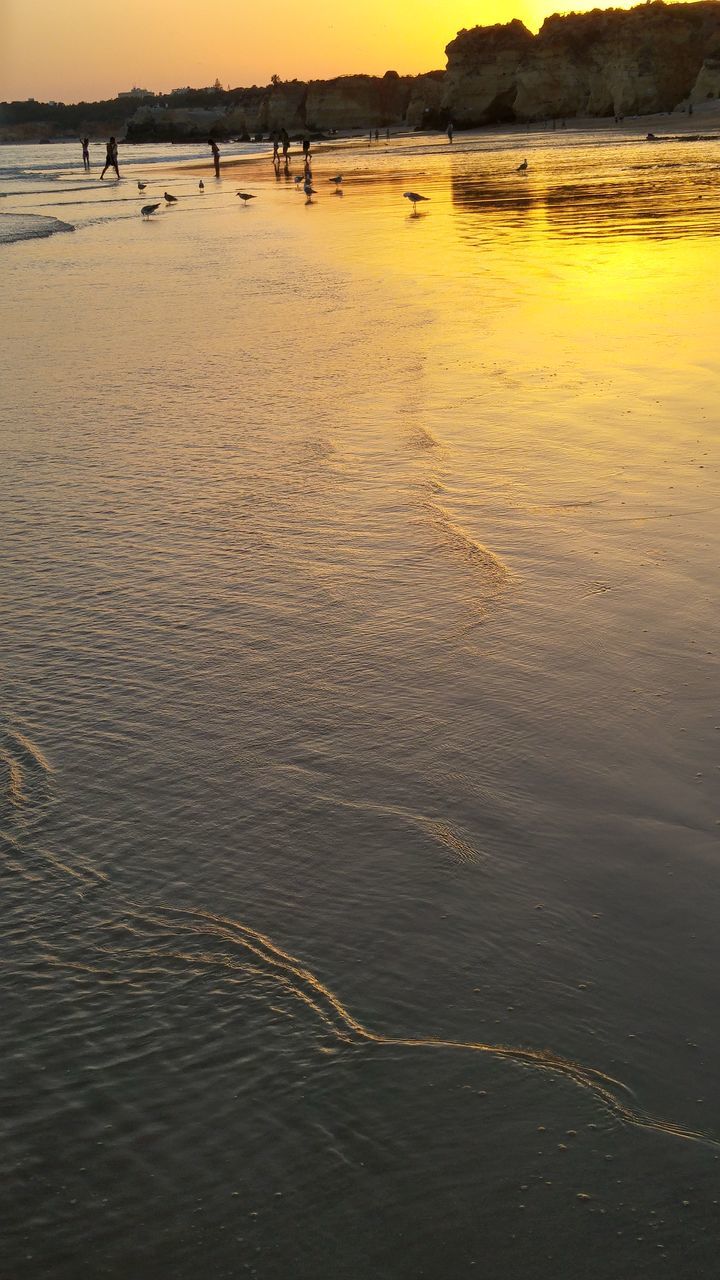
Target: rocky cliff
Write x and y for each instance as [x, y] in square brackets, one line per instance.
[318, 106]
[607, 62]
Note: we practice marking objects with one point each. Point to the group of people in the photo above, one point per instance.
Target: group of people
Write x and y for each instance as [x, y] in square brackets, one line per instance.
[280, 139]
[111, 156]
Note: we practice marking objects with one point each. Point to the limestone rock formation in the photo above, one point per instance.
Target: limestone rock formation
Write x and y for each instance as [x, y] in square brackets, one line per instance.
[357, 102]
[607, 62]
[481, 81]
[707, 84]
[348, 102]
[424, 109]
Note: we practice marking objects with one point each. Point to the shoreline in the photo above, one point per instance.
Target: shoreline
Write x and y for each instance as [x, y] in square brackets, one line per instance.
[685, 129]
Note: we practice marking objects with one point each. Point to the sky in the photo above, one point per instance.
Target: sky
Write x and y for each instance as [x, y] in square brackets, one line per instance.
[73, 50]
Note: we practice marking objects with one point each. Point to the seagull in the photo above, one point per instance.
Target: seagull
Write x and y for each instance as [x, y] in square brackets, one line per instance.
[522, 168]
[337, 180]
[142, 186]
[298, 179]
[310, 191]
[244, 196]
[414, 199]
[147, 209]
[201, 185]
[170, 199]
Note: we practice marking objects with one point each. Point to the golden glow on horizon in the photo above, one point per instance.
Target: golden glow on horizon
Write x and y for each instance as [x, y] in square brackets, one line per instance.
[84, 49]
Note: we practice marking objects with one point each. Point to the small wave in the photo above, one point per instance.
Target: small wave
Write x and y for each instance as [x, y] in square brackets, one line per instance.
[422, 438]
[149, 938]
[494, 572]
[454, 843]
[24, 777]
[30, 749]
[29, 226]
[318, 450]
[13, 783]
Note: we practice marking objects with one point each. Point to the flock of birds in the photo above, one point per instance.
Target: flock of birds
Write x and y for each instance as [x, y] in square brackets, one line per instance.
[300, 181]
[245, 196]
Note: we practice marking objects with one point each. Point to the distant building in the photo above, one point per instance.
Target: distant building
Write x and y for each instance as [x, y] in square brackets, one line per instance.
[206, 88]
[137, 93]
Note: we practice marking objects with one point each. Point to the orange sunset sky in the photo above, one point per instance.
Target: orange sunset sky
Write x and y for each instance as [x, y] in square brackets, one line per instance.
[87, 49]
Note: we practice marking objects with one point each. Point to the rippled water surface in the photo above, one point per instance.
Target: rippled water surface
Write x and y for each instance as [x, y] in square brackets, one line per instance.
[358, 737]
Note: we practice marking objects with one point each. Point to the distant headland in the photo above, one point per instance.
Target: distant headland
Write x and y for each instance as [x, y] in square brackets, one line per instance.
[609, 62]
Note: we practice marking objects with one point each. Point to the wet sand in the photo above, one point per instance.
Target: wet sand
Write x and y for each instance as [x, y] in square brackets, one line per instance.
[359, 758]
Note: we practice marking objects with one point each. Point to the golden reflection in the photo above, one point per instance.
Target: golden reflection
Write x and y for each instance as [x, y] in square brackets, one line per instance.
[640, 204]
[570, 274]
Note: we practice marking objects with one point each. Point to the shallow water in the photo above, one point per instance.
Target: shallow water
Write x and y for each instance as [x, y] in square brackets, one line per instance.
[358, 769]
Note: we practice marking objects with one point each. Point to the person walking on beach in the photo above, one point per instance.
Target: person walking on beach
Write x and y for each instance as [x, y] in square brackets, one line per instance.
[86, 154]
[276, 146]
[450, 131]
[111, 158]
[285, 138]
[306, 145]
[215, 155]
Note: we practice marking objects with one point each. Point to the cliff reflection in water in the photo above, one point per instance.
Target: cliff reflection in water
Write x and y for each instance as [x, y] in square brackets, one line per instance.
[605, 196]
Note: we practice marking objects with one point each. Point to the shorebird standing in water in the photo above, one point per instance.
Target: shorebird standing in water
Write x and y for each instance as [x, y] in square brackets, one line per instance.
[338, 182]
[244, 196]
[201, 185]
[309, 190]
[170, 199]
[142, 186]
[414, 199]
[298, 180]
[522, 168]
[147, 209]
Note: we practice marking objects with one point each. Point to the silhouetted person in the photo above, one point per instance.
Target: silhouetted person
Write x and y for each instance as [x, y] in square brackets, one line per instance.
[450, 131]
[306, 145]
[377, 135]
[86, 153]
[285, 138]
[215, 155]
[276, 145]
[111, 158]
